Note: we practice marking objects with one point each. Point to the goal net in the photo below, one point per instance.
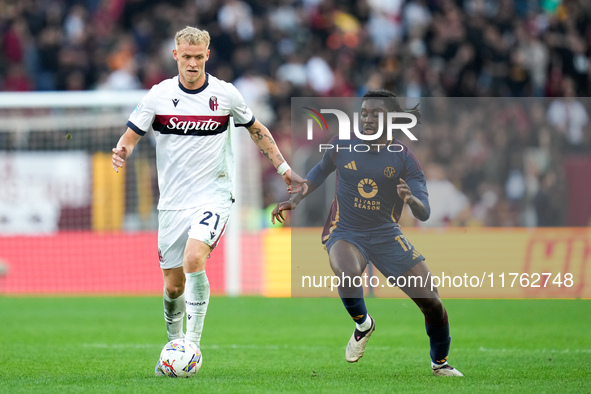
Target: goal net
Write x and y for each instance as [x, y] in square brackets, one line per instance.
[70, 225]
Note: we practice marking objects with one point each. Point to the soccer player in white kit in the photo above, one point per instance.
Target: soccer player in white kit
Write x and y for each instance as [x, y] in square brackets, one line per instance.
[190, 116]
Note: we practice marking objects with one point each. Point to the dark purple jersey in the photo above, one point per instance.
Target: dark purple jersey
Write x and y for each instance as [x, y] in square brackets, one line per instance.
[366, 195]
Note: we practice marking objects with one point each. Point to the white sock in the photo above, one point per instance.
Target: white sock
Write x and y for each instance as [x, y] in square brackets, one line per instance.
[174, 315]
[196, 300]
[366, 325]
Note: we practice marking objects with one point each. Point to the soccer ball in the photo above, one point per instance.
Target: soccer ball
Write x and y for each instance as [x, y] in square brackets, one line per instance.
[180, 358]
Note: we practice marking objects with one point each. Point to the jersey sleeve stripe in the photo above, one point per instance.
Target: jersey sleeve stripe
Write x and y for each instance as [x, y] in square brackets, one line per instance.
[135, 128]
[412, 156]
[409, 153]
[247, 125]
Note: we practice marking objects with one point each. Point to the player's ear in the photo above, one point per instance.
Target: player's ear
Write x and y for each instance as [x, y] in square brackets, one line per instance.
[175, 54]
[207, 56]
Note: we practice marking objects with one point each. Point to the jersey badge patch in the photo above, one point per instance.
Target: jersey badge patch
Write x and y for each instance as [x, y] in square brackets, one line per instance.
[213, 103]
[389, 171]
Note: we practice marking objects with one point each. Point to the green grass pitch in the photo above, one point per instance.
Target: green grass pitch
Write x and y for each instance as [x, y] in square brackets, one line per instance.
[257, 345]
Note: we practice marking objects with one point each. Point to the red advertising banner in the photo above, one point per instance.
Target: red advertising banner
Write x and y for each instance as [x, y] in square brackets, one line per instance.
[89, 263]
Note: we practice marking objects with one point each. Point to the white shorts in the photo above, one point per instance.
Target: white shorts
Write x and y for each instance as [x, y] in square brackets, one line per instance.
[205, 223]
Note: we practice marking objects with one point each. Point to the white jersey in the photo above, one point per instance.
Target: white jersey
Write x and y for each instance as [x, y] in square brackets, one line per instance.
[191, 127]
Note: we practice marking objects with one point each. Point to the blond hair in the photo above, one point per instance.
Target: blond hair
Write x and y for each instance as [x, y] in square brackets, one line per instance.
[193, 36]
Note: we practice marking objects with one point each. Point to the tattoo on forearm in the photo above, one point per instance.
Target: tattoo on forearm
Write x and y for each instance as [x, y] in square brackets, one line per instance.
[271, 140]
[256, 133]
[268, 147]
[266, 154]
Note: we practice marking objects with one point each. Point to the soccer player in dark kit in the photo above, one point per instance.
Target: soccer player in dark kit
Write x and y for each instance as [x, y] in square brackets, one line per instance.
[372, 188]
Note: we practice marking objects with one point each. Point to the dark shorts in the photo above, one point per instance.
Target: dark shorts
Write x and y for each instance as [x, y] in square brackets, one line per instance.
[387, 249]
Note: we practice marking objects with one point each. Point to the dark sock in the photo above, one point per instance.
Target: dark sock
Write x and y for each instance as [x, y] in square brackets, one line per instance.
[439, 339]
[354, 303]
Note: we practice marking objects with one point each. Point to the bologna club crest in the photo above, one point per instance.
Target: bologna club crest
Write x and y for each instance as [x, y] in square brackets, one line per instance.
[213, 103]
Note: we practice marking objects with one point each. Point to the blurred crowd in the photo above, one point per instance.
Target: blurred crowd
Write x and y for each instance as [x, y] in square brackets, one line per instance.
[275, 50]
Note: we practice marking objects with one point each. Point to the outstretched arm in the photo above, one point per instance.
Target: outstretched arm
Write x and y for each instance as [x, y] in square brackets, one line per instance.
[292, 203]
[264, 140]
[124, 148]
[315, 178]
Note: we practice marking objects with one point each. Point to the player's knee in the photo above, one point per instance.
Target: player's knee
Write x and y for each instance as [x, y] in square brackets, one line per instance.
[432, 308]
[347, 277]
[194, 261]
[344, 270]
[174, 290]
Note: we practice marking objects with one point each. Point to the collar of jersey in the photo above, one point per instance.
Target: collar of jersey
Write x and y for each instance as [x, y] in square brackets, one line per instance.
[195, 91]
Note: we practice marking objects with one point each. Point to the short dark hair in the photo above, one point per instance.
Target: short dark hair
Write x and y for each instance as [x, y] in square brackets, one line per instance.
[391, 102]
